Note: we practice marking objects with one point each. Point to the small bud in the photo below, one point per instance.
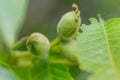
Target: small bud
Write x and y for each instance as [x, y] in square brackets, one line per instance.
[69, 50]
[69, 24]
[38, 44]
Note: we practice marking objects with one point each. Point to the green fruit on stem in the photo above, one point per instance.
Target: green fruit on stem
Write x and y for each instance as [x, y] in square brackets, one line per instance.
[38, 44]
[69, 50]
[69, 24]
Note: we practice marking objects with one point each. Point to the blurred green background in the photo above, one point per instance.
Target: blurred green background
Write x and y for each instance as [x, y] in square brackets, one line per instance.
[43, 15]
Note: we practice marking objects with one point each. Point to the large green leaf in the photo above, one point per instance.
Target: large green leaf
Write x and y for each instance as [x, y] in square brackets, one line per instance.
[45, 70]
[12, 13]
[99, 48]
[6, 74]
[51, 72]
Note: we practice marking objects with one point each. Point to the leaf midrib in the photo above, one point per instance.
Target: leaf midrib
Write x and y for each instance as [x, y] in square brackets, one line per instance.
[109, 51]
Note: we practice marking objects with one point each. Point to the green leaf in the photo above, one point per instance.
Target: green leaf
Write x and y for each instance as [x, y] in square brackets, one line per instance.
[6, 74]
[51, 72]
[99, 49]
[45, 70]
[78, 74]
[2, 57]
[12, 13]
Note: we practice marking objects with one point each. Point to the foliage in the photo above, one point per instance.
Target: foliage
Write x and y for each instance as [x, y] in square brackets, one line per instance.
[11, 16]
[99, 46]
[90, 55]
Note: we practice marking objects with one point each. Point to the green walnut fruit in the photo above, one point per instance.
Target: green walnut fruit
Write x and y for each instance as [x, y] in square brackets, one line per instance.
[69, 24]
[38, 44]
[69, 50]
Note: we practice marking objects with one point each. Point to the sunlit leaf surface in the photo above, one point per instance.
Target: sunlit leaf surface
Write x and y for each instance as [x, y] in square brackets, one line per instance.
[99, 49]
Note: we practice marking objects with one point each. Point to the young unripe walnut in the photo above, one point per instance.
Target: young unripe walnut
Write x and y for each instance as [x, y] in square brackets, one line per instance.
[38, 44]
[69, 24]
